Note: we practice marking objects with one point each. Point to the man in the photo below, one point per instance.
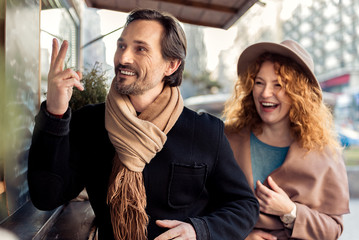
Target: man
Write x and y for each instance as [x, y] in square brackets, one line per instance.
[152, 168]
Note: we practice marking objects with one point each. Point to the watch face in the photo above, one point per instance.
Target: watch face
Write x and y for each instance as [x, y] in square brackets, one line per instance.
[288, 218]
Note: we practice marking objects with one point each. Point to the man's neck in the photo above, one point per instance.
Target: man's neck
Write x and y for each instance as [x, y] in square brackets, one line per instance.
[141, 102]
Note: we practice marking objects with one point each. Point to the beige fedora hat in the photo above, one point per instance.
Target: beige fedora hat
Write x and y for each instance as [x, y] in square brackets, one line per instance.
[287, 48]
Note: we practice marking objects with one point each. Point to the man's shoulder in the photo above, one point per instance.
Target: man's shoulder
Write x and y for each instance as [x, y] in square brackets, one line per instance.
[202, 119]
[91, 108]
[90, 111]
[203, 126]
[89, 114]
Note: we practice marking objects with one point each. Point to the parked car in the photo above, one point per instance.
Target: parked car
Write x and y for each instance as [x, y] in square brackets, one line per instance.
[347, 137]
[211, 103]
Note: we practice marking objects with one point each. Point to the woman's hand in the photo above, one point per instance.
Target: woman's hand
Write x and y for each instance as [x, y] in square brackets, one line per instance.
[260, 235]
[273, 200]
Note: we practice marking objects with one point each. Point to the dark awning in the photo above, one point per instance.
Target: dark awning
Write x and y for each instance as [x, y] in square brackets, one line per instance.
[210, 13]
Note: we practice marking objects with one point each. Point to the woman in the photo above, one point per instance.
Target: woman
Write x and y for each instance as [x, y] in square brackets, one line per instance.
[282, 136]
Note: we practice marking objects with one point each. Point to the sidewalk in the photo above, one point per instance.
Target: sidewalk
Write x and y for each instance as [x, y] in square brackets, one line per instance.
[351, 221]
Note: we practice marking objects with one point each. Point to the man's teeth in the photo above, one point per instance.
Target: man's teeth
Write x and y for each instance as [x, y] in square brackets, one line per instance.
[266, 104]
[127, 73]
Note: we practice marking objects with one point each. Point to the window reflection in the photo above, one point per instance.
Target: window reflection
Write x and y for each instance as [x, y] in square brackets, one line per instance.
[57, 23]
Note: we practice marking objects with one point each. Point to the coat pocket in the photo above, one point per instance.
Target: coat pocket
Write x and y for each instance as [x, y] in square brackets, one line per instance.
[187, 182]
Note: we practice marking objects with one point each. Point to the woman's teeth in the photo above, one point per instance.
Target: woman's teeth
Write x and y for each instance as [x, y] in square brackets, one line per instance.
[267, 104]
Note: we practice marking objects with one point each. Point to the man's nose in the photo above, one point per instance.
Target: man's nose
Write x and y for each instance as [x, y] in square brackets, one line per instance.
[126, 57]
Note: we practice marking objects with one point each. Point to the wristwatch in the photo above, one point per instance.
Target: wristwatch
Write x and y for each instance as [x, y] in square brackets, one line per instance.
[289, 218]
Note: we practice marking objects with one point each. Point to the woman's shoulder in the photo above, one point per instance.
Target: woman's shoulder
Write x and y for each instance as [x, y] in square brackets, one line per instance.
[315, 159]
[235, 134]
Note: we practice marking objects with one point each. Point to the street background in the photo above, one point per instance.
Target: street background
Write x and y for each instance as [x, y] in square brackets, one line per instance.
[351, 222]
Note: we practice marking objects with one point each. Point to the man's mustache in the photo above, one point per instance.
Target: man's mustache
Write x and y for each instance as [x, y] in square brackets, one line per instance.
[127, 66]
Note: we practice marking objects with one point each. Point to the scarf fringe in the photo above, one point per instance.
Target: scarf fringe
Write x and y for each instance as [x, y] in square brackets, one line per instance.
[127, 200]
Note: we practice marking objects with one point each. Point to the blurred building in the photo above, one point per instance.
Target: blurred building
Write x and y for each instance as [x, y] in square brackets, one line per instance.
[329, 30]
[96, 52]
[195, 64]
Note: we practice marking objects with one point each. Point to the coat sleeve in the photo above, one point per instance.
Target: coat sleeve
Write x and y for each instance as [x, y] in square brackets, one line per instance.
[235, 208]
[51, 176]
[311, 224]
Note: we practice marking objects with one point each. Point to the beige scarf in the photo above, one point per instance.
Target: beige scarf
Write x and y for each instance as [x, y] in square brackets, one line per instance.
[136, 139]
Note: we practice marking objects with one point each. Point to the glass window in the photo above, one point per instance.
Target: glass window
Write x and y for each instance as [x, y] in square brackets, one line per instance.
[57, 23]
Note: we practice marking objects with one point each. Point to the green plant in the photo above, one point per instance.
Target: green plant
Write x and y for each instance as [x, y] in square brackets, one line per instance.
[95, 84]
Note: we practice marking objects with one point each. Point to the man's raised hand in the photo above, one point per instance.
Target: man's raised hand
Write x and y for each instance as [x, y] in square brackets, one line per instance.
[60, 81]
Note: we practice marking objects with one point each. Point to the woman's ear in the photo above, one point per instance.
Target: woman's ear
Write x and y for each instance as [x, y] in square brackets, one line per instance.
[172, 66]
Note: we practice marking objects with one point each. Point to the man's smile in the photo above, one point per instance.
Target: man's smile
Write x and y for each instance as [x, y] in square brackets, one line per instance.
[127, 72]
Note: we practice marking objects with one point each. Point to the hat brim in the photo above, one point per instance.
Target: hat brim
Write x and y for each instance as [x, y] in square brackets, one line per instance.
[250, 54]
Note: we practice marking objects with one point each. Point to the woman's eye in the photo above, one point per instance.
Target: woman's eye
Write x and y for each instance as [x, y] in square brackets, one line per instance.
[141, 49]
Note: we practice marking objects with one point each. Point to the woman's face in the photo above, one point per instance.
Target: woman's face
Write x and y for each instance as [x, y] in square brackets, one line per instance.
[271, 101]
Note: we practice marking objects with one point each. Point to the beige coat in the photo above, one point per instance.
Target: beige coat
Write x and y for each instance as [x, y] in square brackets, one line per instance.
[316, 182]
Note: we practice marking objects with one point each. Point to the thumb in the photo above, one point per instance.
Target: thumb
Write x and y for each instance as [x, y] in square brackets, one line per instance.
[80, 74]
[167, 223]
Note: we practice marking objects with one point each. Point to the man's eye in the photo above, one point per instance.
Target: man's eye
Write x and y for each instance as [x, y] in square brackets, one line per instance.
[121, 46]
[141, 49]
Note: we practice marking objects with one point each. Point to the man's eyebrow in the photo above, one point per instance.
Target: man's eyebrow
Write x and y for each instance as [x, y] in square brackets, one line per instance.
[135, 41]
[141, 42]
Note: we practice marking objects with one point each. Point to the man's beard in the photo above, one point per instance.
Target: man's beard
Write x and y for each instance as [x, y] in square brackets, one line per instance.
[135, 88]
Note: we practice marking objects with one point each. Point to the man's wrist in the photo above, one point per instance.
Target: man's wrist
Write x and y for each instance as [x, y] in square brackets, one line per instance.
[50, 124]
[200, 227]
[55, 115]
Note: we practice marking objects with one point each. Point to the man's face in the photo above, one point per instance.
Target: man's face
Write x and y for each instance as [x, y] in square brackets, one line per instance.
[139, 65]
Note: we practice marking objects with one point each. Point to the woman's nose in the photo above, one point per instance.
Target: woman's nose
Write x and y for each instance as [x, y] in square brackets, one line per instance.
[267, 91]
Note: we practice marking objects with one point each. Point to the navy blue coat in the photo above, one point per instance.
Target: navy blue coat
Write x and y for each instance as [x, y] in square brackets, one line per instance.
[194, 178]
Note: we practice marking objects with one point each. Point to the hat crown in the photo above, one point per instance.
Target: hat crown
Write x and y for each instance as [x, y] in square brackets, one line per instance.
[300, 52]
[288, 48]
